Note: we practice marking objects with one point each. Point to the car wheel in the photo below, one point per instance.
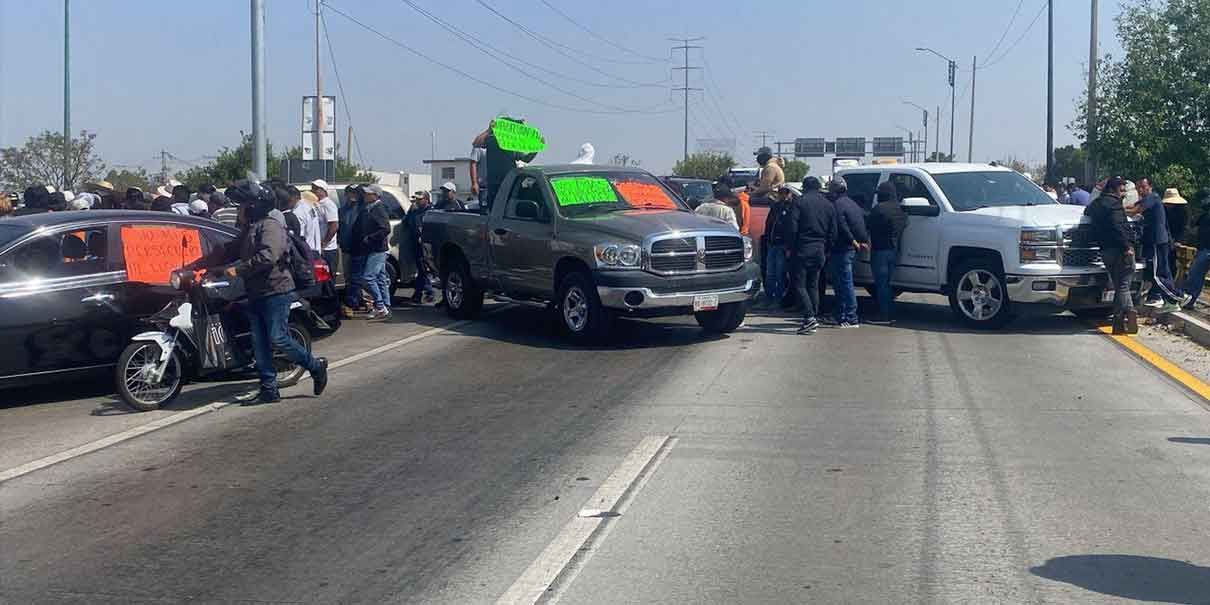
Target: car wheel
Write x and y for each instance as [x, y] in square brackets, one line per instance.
[724, 320]
[978, 295]
[582, 317]
[463, 298]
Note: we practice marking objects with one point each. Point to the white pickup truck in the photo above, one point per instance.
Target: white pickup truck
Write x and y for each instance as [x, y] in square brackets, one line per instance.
[988, 238]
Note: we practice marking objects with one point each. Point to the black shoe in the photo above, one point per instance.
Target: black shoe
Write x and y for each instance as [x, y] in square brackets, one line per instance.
[263, 397]
[809, 326]
[319, 377]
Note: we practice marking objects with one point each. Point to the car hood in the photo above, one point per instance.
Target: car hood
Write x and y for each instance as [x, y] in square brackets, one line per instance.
[1033, 216]
[636, 225]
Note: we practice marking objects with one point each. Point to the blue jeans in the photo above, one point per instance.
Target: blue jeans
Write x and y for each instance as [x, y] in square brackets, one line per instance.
[1196, 278]
[357, 266]
[268, 320]
[374, 279]
[882, 262]
[775, 273]
[840, 272]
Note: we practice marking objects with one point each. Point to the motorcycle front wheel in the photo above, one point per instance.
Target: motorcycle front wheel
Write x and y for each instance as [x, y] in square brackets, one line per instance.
[288, 374]
[135, 388]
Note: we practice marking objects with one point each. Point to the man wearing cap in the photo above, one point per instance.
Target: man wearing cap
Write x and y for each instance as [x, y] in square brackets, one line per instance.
[811, 229]
[1156, 244]
[371, 235]
[413, 224]
[449, 201]
[771, 174]
[1113, 234]
[329, 222]
[851, 236]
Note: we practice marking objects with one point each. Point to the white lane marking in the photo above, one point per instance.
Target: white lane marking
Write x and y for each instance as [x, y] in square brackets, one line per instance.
[557, 562]
[156, 425]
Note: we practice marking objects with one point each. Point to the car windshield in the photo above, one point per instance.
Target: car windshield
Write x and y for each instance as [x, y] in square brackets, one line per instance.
[9, 233]
[585, 193]
[993, 188]
[700, 190]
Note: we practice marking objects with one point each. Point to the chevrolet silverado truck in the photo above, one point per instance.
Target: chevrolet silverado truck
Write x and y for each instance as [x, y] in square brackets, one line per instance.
[989, 239]
[592, 243]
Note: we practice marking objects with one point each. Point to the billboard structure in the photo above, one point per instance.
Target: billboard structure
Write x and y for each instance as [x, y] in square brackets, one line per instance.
[325, 136]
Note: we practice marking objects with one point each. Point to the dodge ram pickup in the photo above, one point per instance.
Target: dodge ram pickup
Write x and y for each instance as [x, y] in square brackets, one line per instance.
[593, 243]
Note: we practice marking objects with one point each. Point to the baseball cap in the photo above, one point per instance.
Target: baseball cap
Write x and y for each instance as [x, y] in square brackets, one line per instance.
[375, 189]
[320, 184]
[448, 186]
[199, 208]
[838, 184]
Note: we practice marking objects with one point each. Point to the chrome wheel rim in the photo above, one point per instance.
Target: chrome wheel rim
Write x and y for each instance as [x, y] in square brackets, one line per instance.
[453, 290]
[980, 294]
[288, 373]
[575, 309]
[140, 366]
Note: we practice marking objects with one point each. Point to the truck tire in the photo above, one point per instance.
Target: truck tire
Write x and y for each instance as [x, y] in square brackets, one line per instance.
[581, 316]
[725, 320]
[978, 295]
[463, 298]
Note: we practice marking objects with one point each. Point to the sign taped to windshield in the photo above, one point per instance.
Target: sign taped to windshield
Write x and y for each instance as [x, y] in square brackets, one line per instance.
[572, 191]
[515, 136]
[645, 194]
[153, 253]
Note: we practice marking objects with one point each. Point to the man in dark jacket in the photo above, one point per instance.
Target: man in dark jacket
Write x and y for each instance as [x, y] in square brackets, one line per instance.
[413, 224]
[355, 264]
[1157, 243]
[499, 163]
[1195, 279]
[886, 224]
[774, 242]
[371, 235]
[851, 237]
[810, 229]
[36, 200]
[260, 257]
[1112, 233]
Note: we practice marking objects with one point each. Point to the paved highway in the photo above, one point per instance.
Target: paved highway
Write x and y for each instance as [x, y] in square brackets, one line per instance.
[920, 463]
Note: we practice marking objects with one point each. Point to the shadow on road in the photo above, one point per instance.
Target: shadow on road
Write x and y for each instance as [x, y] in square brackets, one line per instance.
[1191, 440]
[1131, 577]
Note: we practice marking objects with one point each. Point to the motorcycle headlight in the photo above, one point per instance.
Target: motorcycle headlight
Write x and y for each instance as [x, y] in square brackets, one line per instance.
[618, 256]
[747, 248]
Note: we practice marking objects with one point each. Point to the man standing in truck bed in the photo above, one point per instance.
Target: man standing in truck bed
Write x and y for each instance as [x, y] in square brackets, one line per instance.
[499, 163]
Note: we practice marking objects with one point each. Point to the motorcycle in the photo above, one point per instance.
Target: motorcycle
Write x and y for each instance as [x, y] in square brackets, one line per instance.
[201, 334]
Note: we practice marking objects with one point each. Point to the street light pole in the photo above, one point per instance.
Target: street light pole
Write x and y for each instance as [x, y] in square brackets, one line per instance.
[1050, 94]
[66, 93]
[258, 90]
[953, 69]
[1090, 164]
[925, 138]
[970, 145]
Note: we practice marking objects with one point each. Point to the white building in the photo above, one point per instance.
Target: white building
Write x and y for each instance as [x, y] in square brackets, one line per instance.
[456, 171]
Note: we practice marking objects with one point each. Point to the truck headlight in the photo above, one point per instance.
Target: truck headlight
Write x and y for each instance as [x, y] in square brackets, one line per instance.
[1040, 245]
[618, 256]
[1039, 236]
[747, 248]
[1032, 254]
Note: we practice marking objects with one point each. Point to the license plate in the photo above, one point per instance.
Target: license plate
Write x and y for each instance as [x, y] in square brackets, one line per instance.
[1107, 296]
[705, 302]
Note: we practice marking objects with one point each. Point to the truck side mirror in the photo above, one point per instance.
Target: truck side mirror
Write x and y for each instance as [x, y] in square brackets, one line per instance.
[527, 209]
[918, 206]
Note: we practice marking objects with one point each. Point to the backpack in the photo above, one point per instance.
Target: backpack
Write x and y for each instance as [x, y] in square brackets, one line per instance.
[300, 260]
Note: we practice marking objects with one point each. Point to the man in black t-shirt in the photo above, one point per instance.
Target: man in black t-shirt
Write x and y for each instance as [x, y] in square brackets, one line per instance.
[499, 163]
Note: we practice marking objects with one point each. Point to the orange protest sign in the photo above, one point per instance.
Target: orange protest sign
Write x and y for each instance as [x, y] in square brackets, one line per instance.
[645, 194]
[152, 253]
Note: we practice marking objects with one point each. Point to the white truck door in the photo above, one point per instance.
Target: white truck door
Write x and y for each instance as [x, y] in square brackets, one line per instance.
[918, 262]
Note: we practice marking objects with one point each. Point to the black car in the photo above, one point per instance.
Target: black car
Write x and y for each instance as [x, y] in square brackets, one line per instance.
[694, 192]
[68, 302]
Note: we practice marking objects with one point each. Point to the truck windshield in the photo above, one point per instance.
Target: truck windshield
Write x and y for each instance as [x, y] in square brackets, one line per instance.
[699, 190]
[587, 192]
[993, 188]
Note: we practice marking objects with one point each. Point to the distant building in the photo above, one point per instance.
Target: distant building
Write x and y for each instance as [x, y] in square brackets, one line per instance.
[409, 182]
[456, 171]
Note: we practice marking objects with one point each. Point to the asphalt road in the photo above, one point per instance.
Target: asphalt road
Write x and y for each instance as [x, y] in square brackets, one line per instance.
[920, 463]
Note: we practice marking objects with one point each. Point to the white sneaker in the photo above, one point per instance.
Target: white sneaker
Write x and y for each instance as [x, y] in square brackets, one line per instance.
[1186, 301]
[1154, 304]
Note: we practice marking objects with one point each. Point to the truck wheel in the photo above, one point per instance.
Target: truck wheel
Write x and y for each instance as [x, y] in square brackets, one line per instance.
[725, 320]
[978, 295]
[581, 315]
[463, 299]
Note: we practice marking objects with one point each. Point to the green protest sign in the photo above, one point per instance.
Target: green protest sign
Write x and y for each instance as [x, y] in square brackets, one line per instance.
[571, 191]
[515, 136]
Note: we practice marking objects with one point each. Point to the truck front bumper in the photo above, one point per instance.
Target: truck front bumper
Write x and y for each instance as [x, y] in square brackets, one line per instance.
[640, 293]
[1080, 290]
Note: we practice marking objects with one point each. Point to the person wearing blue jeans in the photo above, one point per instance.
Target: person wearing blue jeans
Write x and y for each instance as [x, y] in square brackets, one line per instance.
[1195, 280]
[851, 236]
[357, 266]
[374, 280]
[371, 237]
[886, 223]
[840, 273]
[268, 321]
[882, 262]
[776, 282]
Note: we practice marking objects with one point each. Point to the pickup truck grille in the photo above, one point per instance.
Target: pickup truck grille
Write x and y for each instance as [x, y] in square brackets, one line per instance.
[683, 255]
[1079, 249]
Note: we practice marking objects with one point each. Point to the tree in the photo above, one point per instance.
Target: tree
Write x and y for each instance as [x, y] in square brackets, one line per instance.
[937, 156]
[795, 171]
[1152, 112]
[1069, 162]
[233, 164]
[40, 161]
[706, 165]
[622, 159]
[125, 179]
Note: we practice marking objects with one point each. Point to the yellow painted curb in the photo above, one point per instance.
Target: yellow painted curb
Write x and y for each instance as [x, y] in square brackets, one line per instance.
[1186, 379]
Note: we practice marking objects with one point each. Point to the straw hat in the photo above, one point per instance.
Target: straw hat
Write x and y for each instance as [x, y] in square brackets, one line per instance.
[1173, 196]
[163, 191]
[106, 185]
[309, 197]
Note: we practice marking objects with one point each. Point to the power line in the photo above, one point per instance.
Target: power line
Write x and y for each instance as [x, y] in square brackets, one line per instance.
[719, 94]
[1011, 21]
[476, 79]
[605, 39]
[1017, 42]
[562, 48]
[361, 159]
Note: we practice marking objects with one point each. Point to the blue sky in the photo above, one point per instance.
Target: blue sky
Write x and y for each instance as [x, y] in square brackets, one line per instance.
[173, 74]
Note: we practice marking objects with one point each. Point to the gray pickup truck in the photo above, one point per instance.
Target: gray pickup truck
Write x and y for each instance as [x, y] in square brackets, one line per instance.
[593, 243]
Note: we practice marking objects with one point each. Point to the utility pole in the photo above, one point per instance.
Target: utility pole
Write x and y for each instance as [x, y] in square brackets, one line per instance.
[259, 170]
[970, 145]
[685, 47]
[1050, 93]
[319, 105]
[937, 145]
[925, 136]
[953, 71]
[66, 93]
[163, 166]
[764, 137]
[1090, 163]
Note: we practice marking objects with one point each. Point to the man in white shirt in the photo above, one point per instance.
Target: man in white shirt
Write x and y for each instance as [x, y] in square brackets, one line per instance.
[718, 211]
[329, 221]
[308, 218]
